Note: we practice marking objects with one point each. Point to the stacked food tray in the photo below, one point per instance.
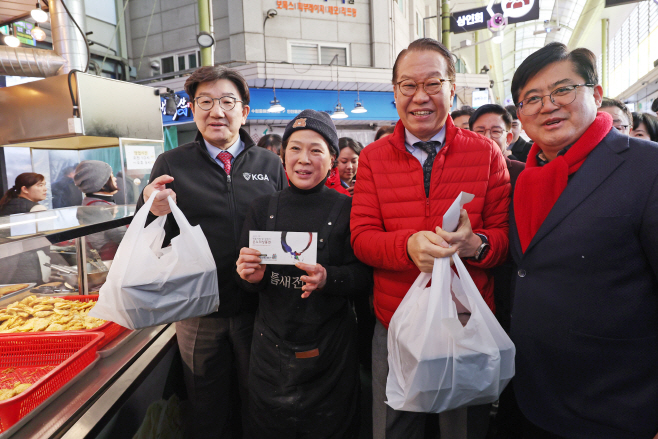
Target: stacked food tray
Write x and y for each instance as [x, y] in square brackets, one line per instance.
[37, 366]
[27, 312]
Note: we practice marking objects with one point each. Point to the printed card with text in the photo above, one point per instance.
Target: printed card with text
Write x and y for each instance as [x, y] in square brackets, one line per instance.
[285, 248]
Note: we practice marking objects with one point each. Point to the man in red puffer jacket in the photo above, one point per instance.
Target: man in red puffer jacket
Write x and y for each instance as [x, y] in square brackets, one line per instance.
[406, 183]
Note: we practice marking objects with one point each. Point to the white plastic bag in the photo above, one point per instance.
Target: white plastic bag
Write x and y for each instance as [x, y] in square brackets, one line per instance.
[148, 285]
[437, 364]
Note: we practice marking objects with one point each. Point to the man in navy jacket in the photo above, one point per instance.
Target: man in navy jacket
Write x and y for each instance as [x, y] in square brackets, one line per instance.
[584, 234]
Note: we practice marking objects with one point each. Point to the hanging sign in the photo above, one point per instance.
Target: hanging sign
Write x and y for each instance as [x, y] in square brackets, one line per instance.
[316, 8]
[516, 11]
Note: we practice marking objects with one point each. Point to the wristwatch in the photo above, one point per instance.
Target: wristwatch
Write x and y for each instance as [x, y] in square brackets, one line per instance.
[483, 249]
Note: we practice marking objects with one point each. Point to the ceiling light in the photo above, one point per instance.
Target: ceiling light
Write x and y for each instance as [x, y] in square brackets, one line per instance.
[10, 39]
[275, 106]
[339, 112]
[358, 106]
[38, 33]
[39, 15]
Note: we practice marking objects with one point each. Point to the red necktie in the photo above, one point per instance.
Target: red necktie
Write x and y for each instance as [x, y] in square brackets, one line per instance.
[225, 157]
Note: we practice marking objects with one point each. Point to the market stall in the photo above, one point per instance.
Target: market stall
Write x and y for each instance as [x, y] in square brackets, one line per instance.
[125, 368]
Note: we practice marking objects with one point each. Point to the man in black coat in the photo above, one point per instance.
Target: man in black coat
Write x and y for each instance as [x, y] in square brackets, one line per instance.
[65, 192]
[519, 146]
[214, 181]
[583, 236]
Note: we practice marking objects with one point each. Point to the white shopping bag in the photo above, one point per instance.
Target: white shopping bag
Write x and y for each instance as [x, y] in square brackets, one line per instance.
[148, 285]
[436, 363]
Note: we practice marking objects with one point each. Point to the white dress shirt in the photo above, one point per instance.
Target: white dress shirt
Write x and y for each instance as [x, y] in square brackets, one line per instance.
[419, 153]
[234, 149]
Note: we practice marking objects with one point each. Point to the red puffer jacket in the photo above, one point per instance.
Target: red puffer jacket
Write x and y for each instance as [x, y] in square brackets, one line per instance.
[390, 205]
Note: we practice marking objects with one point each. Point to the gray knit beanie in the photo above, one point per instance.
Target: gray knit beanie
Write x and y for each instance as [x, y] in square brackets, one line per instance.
[91, 175]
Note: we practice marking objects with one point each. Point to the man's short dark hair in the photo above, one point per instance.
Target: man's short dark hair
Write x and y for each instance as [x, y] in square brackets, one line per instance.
[511, 109]
[583, 60]
[650, 122]
[494, 109]
[427, 44]
[212, 74]
[271, 141]
[463, 111]
[384, 131]
[609, 102]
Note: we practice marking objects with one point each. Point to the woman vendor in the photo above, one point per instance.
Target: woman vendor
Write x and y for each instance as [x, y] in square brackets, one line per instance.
[304, 376]
[29, 189]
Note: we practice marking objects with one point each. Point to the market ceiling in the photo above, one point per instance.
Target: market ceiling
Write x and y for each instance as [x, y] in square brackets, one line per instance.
[579, 23]
[14, 10]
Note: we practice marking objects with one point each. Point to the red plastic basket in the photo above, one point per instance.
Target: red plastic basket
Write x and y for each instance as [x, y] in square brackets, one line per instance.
[110, 329]
[27, 358]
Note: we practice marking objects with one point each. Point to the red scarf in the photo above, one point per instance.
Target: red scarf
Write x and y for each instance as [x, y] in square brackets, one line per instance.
[538, 188]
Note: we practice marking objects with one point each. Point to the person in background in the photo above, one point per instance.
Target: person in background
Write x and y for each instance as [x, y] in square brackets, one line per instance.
[348, 162]
[384, 131]
[271, 142]
[406, 183]
[304, 375]
[645, 126]
[214, 180]
[460, 117]
[95, 179]
[65, 192]
[622, 119]
[519, 146]
[583, 235]
[494, 122]
[28, 190]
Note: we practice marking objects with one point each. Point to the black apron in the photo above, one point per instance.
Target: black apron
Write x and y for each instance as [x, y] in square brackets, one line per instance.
[309, 389]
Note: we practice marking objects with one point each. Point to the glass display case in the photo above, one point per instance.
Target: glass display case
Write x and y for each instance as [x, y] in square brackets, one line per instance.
[67, 250]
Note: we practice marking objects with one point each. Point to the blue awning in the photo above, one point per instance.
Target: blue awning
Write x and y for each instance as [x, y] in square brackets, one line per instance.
[380, 105]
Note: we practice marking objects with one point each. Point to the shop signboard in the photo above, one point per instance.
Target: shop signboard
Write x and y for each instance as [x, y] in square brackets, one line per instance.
[380, 105]
[22, 32]
[139, 157]
[516, 11]
[317, 8]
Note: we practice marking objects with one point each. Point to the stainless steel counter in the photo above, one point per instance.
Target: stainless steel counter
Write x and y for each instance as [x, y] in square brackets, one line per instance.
[84, 408]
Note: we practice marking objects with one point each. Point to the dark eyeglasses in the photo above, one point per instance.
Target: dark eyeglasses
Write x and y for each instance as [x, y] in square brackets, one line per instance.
[431, 86]
[560, 96]
[495, 132]
[227, 103]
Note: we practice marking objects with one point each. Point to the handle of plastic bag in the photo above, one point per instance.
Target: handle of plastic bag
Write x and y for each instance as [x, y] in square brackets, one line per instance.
[183, 223]
[470, 289]
[440, 297]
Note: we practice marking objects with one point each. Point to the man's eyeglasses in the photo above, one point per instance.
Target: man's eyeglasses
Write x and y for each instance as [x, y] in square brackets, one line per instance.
[495, 132]
[227, 103]
[431, 86]
[560, 96]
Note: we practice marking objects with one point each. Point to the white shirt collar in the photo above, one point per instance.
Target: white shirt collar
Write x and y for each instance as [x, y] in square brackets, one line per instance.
[410, 139]
[234, 149]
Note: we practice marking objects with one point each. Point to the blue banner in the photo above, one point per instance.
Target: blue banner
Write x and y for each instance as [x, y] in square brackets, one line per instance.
[380, 105]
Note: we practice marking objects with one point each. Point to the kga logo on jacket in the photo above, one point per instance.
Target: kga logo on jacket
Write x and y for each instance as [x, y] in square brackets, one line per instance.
[247, 176]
